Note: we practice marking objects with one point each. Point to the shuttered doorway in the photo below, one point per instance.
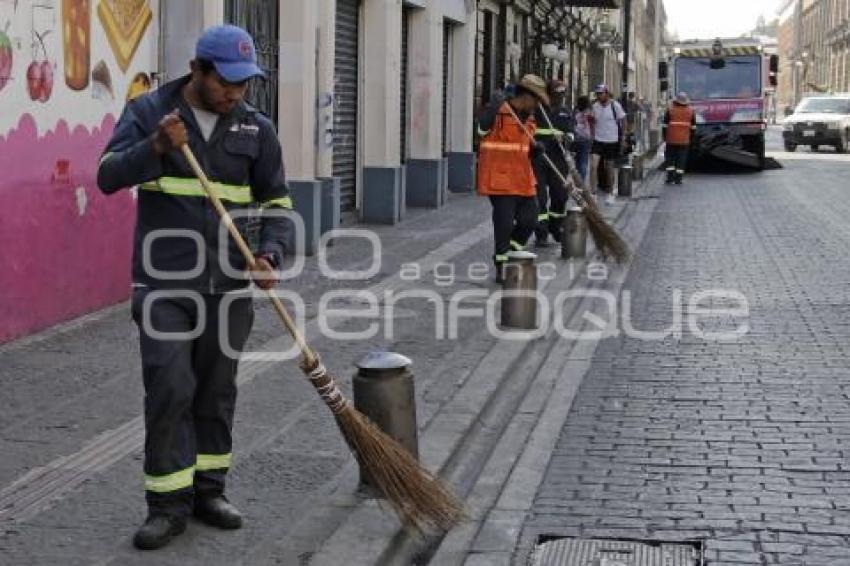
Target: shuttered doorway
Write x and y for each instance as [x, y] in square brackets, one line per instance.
[405, 73]
[346, 80]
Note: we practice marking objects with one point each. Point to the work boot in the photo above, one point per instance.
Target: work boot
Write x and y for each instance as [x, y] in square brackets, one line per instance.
[671, 177]
[217, 511]
[158, 531]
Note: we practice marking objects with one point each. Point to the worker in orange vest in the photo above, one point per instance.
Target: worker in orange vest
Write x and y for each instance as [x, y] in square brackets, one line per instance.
[505, 172]
[680, 122]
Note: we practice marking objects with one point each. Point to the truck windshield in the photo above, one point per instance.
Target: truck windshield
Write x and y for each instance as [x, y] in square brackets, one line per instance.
[739, 78]
[824, 105]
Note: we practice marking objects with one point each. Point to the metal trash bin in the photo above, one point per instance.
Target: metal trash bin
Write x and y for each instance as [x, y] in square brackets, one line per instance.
[574, 240]
[383, 390]
[520, 311]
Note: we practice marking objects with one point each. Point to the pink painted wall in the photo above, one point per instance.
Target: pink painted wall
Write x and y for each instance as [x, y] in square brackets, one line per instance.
[66, 71]
[65, 247]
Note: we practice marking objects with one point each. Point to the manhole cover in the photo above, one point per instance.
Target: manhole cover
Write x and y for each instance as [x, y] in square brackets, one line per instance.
[602, 552]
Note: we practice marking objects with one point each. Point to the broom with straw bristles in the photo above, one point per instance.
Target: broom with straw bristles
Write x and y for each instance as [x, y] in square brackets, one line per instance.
[607, 240]
[421, 500]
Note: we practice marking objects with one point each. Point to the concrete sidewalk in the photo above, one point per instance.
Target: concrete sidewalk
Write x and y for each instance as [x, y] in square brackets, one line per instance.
[71, 432]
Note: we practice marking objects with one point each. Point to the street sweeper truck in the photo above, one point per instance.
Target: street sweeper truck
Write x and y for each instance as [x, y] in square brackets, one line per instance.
[728, 82]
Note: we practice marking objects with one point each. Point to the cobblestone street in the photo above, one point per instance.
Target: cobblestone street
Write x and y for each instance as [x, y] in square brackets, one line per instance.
[744, 443]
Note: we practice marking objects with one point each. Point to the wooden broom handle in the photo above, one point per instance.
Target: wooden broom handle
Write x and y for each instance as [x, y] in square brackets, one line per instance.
[310, 357]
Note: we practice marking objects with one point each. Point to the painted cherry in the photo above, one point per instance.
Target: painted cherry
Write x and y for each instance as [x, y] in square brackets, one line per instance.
[34, 80]
[46, 81]
[40, 75]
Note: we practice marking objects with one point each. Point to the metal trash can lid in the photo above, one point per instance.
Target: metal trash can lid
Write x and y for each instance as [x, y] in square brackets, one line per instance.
[384, 360]
[521, 255]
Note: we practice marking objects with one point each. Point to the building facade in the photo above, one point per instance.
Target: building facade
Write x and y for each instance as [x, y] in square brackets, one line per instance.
[814, 40]
[375, 102]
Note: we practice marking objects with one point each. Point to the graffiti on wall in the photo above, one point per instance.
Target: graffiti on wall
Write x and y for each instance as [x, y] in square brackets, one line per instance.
[67, 67]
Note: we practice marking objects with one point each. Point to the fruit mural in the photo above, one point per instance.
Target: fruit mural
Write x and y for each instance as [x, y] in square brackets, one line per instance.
[65, 77]
[6, 57]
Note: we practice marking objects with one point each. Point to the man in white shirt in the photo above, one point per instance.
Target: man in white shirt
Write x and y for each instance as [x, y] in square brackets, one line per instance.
[609, 121]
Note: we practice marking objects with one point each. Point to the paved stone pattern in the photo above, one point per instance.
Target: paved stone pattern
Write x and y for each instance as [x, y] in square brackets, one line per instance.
[68, 388]
[741, 444]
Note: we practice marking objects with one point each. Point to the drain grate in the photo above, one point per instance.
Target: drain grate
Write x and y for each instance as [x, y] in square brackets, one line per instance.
[609, 552]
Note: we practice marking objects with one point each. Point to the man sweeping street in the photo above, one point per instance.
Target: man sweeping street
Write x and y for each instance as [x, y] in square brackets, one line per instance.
[680, 122]
[191, 299]
[505, 173]
[554, 129]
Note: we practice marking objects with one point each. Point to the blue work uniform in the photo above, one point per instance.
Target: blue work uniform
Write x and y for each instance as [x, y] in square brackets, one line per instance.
[182, 283]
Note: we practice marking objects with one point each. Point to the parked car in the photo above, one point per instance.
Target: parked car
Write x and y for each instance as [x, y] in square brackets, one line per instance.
[819, 120]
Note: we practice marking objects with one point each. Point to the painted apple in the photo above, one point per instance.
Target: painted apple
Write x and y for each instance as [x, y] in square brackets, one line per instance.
[5, 57]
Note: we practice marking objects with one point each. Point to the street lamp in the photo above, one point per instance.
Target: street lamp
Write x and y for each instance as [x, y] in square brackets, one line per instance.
[562, 55]
[550, 50]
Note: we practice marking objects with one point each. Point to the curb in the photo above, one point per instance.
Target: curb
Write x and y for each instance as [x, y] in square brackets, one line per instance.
[369, 535]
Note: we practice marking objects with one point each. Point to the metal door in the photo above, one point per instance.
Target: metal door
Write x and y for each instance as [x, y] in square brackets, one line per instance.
[346, 80]
[405, 41]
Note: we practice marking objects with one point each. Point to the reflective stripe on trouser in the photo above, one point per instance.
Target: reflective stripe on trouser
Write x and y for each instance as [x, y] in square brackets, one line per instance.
[514, 218]
[551, 197]
[676, 157]
[190, 394]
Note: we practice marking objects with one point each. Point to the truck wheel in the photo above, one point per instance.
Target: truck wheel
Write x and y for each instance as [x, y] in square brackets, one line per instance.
[815, 148]
[841, 146]
[791, 147]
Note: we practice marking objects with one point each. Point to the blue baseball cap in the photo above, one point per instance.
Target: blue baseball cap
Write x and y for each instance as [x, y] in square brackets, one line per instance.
[231, 50]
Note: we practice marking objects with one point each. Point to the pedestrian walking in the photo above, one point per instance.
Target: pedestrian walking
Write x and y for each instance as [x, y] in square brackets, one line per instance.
[583, 117]
[191, 299]
[505, 173]
[680, 122]
[608, 140]
[553, 130]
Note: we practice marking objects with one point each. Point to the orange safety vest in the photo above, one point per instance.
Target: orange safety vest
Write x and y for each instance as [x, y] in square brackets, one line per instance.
[679, 127]
[504, 164]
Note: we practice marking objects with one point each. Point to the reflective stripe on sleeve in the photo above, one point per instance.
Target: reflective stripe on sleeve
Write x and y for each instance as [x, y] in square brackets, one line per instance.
[170, 482]
[543, 216]
[548, 132]
[104, 157]
[517, 246]
[283, 202]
